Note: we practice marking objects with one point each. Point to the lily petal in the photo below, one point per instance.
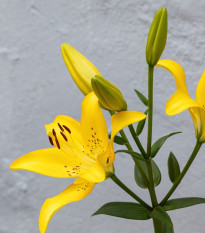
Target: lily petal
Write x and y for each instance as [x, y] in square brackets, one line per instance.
[51, 162]
[75, 192]
[177, 71]
[200, 91]
[93, 126]
[81, 69]
[179, 102]
[95, 174]
[65, 134]
[123, 119]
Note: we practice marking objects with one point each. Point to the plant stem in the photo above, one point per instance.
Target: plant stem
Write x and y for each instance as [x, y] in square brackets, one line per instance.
[150, 107]
[149, 136]
[137, 141]
[157, 226]
[127, 190]
[129, 147]
[182, 174]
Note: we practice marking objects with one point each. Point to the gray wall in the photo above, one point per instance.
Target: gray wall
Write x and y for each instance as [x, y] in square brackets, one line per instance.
[36, 87]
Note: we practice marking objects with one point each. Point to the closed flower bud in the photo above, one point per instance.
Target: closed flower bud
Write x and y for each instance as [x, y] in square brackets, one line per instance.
[110, 97]
[79, 67]
[157, 37]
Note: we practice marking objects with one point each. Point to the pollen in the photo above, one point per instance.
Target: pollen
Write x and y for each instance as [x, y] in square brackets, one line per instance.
[66, 128]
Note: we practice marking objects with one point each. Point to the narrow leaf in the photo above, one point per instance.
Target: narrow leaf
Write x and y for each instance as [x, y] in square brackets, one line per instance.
[119, 140]
[179, 203]
[132, 153]
[142, 97]
[126, 210]
[158, 144]
[141, 124]
[155, 171]
[160, 214]
[173, 167]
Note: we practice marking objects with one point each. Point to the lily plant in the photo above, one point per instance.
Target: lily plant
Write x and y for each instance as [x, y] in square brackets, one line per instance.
[85, 149]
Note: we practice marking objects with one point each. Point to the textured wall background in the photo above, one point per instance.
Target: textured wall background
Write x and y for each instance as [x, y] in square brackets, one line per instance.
[36, 87]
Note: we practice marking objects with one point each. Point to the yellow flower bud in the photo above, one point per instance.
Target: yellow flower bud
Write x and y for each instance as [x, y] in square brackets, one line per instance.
[157, 37]
[110, 97]
[79, 67]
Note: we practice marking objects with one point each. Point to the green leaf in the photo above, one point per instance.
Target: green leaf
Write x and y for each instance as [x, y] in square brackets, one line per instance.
[126, 210]
[133, 154]
[141, 124]
[155, 171]
[158, 144]
[160, 214]
[179, 203]
[173, 167]
[142, 97]
[119, 140]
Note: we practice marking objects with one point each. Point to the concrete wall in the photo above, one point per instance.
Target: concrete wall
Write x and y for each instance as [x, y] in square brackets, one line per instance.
[36, 87]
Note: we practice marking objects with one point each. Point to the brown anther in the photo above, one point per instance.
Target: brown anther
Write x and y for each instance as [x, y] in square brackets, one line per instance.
[63, 135]
[54, 132]
[57, 143]
[66, 128]
[61, 128]
[50, 140]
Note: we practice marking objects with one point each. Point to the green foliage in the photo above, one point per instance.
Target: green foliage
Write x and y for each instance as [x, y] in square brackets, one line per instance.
[141, 97]
[141, 124]
[132, 153]
[126, 210]
[173, 167]
[179, 203]
[160, 214]
[159, 143]
[155, 171]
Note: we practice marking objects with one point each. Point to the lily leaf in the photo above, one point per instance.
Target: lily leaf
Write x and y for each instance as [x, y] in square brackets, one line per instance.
[126, 210]
[132, 153]
[142, 97]
[155, 171]
[179, 203]
[119, 140]
[173, 167]
[141, 124]
[160, 214]
[158, 144]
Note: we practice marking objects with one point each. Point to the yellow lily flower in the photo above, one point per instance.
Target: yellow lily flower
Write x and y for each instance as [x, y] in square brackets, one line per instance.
[181, 99]
[82, 150]
[80, 68]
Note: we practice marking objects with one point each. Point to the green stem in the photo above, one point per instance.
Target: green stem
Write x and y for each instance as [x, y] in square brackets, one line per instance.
[137, 141]
[127, 190]
[157, 226]
[129, 147]
[150, 107]
[182, 174]
[149, 136]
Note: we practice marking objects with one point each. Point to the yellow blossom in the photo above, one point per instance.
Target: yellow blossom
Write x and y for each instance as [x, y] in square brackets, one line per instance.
[81, 149]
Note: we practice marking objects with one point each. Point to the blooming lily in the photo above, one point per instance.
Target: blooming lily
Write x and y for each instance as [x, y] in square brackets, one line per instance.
[81, 149]
[181, 99]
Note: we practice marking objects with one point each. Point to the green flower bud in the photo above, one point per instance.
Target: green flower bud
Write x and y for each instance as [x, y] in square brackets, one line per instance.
[110, 97]
[157, 37]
